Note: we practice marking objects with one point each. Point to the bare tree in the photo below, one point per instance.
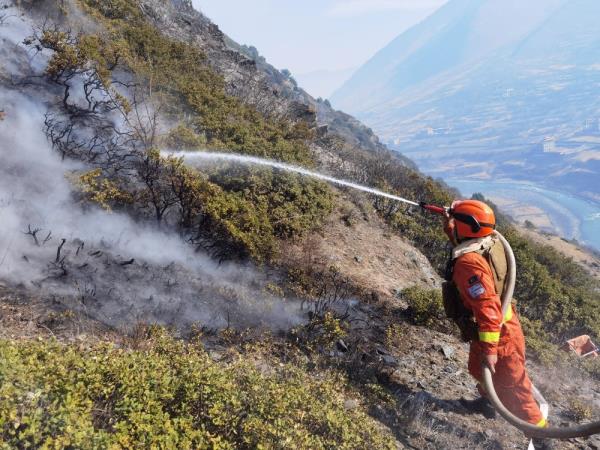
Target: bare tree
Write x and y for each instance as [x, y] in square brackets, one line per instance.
[69, 67]
[331, 290]
[33, 232]
[157, 194]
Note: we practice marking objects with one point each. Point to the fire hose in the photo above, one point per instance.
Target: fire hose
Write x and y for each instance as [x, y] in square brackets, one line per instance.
[531, 430]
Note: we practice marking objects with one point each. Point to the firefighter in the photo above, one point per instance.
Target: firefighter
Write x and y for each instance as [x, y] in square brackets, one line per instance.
[475, 278]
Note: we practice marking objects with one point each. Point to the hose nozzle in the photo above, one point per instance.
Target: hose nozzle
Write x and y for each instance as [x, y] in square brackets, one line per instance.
[441, 210]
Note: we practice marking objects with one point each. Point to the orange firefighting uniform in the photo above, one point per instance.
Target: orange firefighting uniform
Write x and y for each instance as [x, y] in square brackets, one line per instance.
[474, 279]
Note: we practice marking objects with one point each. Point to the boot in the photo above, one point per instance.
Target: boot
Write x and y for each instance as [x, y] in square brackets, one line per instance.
[480, 405]
[543, 443]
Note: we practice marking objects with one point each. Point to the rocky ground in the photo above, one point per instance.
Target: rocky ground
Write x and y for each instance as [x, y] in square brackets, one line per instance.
[360, 245]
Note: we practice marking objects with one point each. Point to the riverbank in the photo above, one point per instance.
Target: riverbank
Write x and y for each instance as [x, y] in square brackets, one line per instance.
[566, 215]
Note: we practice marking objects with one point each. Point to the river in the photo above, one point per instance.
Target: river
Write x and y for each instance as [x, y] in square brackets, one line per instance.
[567, 215]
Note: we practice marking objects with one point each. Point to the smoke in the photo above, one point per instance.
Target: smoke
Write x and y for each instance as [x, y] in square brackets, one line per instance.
[107, 265]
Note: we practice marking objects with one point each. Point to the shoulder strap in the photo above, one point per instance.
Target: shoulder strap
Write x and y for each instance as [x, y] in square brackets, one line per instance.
[449, 271]
[496, 258]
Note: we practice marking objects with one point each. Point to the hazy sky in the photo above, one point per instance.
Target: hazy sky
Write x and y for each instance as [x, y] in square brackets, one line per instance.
[312, 35]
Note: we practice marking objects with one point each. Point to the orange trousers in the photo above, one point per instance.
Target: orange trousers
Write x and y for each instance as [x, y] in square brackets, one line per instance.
[511, 381]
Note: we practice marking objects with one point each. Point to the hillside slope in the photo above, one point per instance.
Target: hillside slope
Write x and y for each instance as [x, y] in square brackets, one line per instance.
[145, 302]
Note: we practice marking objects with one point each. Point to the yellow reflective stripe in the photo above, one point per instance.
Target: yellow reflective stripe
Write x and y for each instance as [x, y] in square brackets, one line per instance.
[489, 336]
[508, 315]
[542, 423]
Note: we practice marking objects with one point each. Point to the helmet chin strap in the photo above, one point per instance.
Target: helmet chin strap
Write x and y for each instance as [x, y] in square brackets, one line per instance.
[471, 221]
[460, 239]
[457, 240]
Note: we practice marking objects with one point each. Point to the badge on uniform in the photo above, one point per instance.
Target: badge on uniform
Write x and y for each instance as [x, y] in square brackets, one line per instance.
[477, 290]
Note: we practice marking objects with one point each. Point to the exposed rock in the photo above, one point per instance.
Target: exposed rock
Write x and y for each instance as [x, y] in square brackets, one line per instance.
[389, 360]
[447, 351]
[489, 434]
[594, 442]
[351, 404]
[381, 351]
[215, 356]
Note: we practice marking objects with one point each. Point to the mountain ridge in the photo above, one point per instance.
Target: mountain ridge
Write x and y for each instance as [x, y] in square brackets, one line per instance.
[441, 28]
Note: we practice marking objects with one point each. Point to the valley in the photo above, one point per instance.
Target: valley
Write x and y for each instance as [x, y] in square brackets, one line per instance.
[474, 105]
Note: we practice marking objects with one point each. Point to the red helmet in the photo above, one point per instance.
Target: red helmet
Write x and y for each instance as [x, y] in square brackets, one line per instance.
[473, 219]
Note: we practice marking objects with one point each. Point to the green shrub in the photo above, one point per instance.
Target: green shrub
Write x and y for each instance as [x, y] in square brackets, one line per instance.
[425, 305]
[394, 335]
[178, 71]
[183, 137]
[539, 343]
[292, 203]
[238, 226]
[579, 411]
[592, 367]
[168, 394]
[554, 290]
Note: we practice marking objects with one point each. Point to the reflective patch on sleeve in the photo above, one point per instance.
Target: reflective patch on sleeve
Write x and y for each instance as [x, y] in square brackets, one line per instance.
[491, 337]
[542, 423]
[477, 290]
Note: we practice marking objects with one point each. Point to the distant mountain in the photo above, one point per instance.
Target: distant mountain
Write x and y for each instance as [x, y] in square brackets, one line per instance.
[461, 32]
[491, 89]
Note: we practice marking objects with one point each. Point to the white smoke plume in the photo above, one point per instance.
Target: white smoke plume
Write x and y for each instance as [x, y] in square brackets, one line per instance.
[109, 266]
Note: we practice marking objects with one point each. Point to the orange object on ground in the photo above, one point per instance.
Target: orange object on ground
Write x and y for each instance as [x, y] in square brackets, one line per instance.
[501, 336]
[582, 346]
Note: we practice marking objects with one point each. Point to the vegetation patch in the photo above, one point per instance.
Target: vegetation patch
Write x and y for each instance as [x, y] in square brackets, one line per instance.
[425, 306]
[245, 213]
[178, 72]
[168, 394]
[134, 71]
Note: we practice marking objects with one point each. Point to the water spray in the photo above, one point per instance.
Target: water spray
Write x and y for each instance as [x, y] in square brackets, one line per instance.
[253, 160]
[583, 430]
